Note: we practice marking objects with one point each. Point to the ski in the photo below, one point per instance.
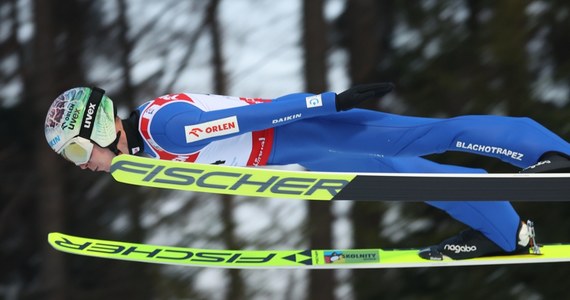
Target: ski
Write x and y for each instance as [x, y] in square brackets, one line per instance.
[272, 183]
[301, 259]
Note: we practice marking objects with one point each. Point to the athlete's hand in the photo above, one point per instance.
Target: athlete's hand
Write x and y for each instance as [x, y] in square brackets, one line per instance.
[360, 93]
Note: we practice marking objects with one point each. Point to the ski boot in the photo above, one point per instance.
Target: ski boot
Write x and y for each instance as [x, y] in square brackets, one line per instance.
[472, 243]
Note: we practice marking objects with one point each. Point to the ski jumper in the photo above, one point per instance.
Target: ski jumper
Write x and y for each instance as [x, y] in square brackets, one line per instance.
[306, 129]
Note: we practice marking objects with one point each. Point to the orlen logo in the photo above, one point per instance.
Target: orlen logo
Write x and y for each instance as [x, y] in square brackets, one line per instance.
[459, 249]
[211, 129]
[196, 132]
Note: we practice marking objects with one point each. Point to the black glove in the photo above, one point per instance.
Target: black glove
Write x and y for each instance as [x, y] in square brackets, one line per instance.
[358, 94]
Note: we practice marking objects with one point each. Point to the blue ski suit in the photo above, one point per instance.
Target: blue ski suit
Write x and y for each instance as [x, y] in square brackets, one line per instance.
[306, 129]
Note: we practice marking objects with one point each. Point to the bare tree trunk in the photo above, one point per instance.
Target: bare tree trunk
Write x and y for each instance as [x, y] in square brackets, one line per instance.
[236, 286]
[315, 46]
[50, 191]
[367, 25]
[127, 46]
[315, 70]
[220, 77]
[141, 282]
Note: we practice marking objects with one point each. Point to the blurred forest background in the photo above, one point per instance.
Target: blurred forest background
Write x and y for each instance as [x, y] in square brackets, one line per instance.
[447, 58]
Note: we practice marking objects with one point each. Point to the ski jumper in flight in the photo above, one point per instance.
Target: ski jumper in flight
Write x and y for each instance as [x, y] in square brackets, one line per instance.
[324, 132]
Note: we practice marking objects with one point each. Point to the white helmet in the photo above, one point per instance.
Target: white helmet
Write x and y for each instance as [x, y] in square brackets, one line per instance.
[80, 112]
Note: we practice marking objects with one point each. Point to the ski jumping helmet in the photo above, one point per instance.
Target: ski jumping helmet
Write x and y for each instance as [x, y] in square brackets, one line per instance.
[76, 119]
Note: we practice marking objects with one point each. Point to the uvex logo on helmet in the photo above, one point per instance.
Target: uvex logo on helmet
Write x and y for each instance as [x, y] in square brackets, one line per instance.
[89, 116]
[70, 118]
[211, 129]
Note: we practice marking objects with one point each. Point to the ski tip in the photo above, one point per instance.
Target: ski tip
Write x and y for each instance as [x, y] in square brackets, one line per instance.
[52, 237]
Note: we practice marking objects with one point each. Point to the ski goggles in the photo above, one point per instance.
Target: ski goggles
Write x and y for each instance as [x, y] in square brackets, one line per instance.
[78, 150]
